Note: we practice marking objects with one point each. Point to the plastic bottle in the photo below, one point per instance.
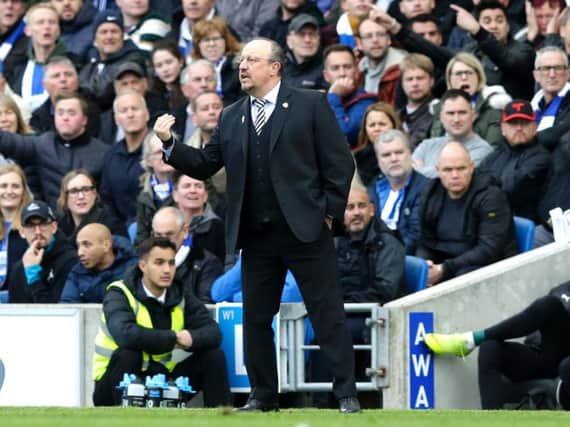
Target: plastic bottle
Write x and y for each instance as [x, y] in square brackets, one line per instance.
[155, 387]
[184, 390]
[133, 391]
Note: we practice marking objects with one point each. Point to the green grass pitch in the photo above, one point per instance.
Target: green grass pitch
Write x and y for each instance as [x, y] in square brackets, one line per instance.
[142, 417]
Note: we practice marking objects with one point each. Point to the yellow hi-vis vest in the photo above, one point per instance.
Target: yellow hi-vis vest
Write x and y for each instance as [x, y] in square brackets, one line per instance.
[105, 345]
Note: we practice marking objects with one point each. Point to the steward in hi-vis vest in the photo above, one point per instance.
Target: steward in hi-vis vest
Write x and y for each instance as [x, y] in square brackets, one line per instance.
[145, 317]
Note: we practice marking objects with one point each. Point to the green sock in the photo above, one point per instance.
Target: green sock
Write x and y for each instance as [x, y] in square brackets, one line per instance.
[478, 337]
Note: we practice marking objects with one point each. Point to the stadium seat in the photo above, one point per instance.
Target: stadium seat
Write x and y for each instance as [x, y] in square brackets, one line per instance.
[3, 297]
[524, 229]
[132, 232]
[416, 273]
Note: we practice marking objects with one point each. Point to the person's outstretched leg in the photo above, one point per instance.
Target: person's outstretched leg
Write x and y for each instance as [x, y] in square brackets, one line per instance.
[546, 314]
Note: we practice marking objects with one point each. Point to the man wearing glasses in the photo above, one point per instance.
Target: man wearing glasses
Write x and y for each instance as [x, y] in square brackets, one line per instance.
[42, 272]
[380, 64]
[552, 102]
[289, 171]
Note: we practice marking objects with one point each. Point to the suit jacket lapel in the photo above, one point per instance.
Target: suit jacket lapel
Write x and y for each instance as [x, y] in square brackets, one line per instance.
[243, 128]
[279, 115]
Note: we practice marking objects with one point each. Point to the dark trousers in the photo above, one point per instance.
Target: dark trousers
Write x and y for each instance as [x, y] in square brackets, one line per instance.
[206, 371]
[266, 257]
[321, 370]
[504, 364]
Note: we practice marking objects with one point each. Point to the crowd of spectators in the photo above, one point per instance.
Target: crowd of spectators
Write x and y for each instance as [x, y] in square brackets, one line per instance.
[457, 114]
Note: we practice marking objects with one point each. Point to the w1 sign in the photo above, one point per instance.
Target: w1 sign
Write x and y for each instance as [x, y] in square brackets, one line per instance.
[229, 317]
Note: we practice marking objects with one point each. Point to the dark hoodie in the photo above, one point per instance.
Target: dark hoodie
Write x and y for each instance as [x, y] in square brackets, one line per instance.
[100, 81]
[78, 34]
[88, 286]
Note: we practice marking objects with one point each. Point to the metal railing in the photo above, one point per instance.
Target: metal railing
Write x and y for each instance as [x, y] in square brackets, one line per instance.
[291, 357]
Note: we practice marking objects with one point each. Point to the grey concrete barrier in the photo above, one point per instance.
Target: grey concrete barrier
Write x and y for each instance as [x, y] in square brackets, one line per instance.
[472, 301]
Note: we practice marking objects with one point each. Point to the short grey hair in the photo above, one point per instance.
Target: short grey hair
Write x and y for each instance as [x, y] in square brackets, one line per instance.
[170, 210]
[390, 135]
[275, 52]
[125, 93]
[548, 49]
[184, 79]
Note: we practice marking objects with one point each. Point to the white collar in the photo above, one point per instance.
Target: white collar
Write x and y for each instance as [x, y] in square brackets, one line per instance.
[270, 96]
[161, 298]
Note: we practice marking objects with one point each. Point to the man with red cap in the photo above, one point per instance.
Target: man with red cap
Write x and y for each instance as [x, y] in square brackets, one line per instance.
[519, 161]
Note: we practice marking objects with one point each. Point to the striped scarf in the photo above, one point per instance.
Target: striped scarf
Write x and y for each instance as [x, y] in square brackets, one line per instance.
[545, 117]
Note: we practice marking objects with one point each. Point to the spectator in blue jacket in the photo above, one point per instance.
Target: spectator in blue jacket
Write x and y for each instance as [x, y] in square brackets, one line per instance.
[347, 100]
[102, 260]
[398, 194]
[227, 287]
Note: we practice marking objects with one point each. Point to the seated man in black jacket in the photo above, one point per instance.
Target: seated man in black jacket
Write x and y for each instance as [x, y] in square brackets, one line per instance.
[43, 270]
[149, 314]
[196, 267]
[370, 258]
[371, 267]
[519, 161]
[466, 221]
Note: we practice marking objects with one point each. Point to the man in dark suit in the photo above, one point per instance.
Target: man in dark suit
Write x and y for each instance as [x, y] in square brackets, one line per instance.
[289, 172]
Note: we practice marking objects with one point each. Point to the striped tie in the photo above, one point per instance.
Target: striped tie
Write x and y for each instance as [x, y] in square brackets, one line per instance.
[259, 103]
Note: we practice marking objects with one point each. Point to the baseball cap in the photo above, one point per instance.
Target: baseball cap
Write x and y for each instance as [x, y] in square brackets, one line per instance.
[130, 67]
[518, 109]
[301, 20]
[110, 17]
[37, 209]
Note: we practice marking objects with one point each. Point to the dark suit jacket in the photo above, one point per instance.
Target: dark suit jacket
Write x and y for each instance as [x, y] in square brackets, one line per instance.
[310, 164]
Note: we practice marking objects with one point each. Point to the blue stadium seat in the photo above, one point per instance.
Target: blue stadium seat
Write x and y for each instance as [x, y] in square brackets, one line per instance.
[132, 232]
[524, 229]
[3, 297]
[416, 273]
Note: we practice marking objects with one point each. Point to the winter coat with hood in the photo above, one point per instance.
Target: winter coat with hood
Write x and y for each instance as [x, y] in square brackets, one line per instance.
[98, 74]
[371, 264]
[78, 33]
[88, 286]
